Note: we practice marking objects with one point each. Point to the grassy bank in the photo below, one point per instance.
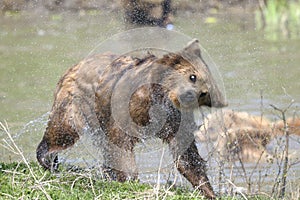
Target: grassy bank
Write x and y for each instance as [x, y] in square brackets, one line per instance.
[21, 181]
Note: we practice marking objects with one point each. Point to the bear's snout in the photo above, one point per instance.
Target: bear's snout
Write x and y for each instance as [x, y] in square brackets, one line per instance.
[188, 98]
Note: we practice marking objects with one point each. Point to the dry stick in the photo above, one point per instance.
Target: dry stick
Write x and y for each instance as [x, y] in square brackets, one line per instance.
[286, 158]
[8, 147]
[5, 129]
[277, 181]
[7, 195]
[173, 183]
[238, 189]
[158, 174]
[221, 165]
[279, 161]
[255, 168]
[286, 150]
[231, 179]
[245, 174]
[92, 186]
[248, 178]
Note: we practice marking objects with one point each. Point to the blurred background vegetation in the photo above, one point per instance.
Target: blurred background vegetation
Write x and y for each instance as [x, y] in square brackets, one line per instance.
[279, 18]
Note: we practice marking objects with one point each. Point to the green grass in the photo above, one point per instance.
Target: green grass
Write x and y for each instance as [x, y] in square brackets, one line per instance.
[22, 181]
[18, 182]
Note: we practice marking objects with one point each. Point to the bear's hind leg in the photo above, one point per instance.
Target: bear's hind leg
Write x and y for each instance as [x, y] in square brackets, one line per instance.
[119, 164]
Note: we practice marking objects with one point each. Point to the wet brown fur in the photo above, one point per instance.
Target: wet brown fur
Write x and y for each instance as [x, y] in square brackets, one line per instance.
[84, 104]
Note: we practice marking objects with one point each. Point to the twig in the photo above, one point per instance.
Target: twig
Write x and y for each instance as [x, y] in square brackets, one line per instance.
[8, 147]
[238, 189]
[252, 172]
[6, 130]
[7, 195]
[286, 150]
[158, 174]
[248, 181]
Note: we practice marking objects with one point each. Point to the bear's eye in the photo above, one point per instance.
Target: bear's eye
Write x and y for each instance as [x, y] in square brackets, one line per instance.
[193, 78]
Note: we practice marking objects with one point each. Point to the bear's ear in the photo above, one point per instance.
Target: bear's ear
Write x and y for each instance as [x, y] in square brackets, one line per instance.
[192, 48]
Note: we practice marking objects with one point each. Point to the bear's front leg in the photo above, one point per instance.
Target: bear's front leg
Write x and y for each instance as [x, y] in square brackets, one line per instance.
[192, 167]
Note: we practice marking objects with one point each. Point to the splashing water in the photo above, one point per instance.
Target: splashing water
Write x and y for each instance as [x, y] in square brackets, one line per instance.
[26, 139]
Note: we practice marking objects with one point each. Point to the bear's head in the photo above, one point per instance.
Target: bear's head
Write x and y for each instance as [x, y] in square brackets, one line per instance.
[188, 80]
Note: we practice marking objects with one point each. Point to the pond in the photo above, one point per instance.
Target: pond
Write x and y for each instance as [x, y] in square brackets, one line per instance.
[35, 50]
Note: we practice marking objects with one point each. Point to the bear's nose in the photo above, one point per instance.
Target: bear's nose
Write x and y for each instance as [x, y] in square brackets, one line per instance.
[188, 97]
[203, 94]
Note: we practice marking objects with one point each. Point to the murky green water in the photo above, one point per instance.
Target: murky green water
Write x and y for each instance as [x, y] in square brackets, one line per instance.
[36, 49]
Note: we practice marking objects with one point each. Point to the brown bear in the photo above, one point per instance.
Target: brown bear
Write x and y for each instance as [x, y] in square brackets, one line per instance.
[120, 100]
[239, 135]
